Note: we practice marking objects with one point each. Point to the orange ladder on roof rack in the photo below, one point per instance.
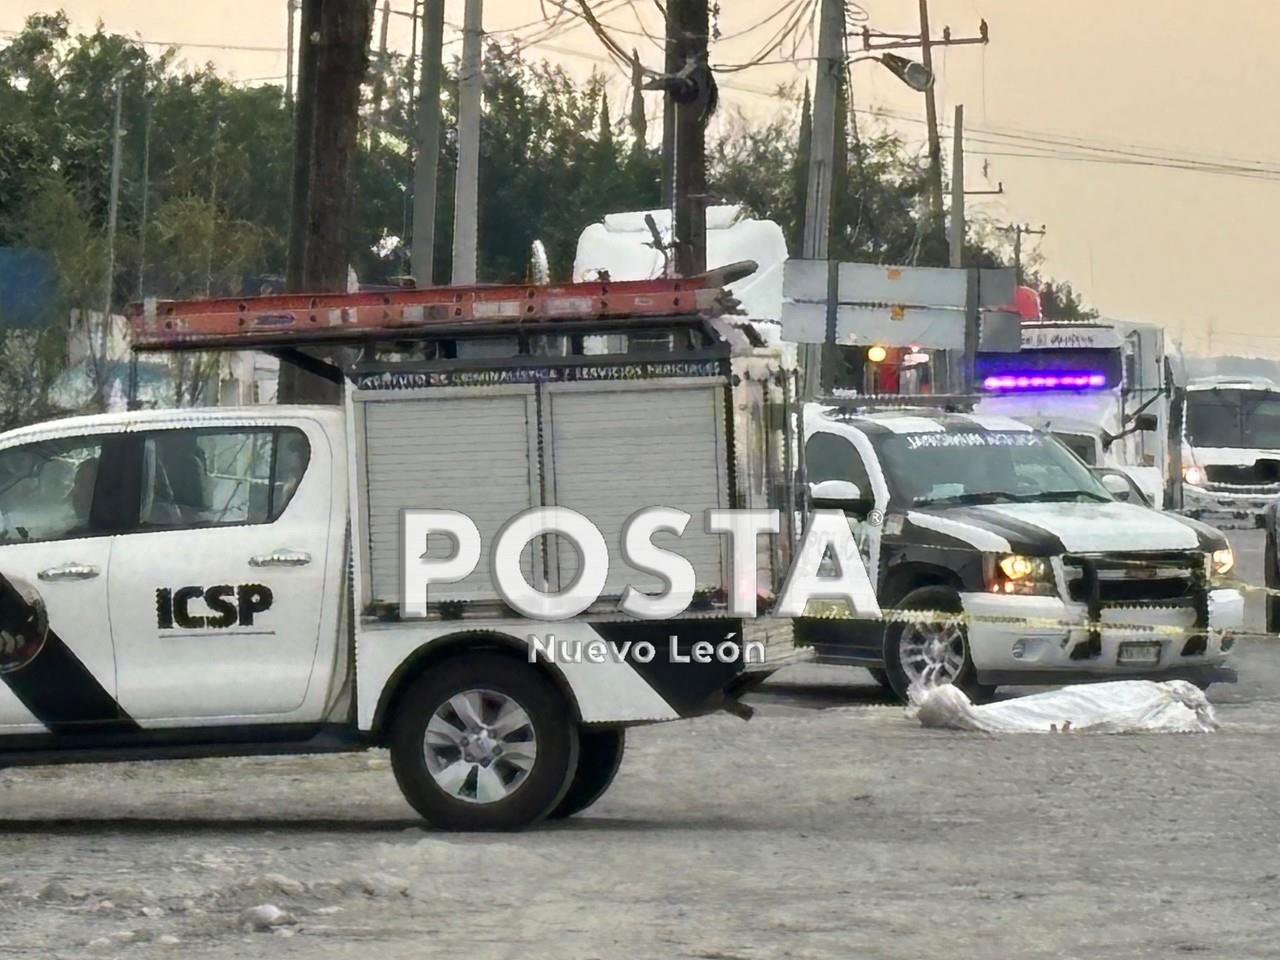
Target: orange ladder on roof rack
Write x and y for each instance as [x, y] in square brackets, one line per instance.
[289, 319]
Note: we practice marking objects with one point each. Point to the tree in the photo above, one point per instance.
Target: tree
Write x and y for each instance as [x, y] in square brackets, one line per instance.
[1059, 301]
[334, 64]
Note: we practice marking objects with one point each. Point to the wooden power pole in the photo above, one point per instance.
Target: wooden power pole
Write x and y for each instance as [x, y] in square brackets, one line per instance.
[334, 58]
[426, 163]
[690, 181]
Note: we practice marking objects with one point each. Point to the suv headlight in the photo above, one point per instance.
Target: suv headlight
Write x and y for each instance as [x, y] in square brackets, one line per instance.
[1017, 574]
[1193, 475]
[1221, 562]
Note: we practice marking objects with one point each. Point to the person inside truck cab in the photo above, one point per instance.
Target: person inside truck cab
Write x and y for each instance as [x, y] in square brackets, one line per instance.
[80, 496]
[174, 492]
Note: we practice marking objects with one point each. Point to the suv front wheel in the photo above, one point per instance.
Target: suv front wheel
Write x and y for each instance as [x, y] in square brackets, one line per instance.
[931, 650]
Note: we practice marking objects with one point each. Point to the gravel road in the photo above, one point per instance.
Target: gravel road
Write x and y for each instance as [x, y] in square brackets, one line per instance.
[828, 826]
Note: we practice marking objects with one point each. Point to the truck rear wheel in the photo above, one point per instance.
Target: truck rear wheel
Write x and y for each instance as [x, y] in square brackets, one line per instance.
[599, 756]
[483, 742]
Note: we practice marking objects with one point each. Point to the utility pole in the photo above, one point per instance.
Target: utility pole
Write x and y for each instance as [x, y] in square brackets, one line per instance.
[146, 194]
[428, 145]
[304, 112]
[113, 208]
[131, 400]
[670, 67]
[413, 47]
[690, 182]
[926, 44]
[380, 80]
[466, 193]
[818, 360]
[931, 117]
[957, 189]
[1019, 230]
[291, 6]
[334, 62]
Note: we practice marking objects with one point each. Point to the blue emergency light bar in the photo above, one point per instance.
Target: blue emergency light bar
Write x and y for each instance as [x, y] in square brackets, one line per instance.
[1031, 380]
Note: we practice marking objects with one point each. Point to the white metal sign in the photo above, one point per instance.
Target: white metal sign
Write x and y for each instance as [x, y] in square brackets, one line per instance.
[896, 306]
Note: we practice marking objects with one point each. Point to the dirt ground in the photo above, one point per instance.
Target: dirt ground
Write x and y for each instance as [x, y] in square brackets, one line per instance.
[830, 825]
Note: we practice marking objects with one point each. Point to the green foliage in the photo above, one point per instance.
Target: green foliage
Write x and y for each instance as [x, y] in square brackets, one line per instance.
[1058, 301]
[209, 161]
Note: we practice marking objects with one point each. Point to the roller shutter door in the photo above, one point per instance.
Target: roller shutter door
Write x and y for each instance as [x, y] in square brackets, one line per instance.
[613, 452]
[472, 454]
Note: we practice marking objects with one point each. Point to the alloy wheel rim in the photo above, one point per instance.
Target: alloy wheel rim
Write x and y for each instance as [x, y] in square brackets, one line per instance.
[932, 654]
[480, 746]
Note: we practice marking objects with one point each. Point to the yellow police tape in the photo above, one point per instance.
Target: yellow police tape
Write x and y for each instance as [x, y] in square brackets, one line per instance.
[839, 610]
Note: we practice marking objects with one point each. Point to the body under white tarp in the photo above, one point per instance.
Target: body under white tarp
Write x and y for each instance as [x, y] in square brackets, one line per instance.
[1122, 706]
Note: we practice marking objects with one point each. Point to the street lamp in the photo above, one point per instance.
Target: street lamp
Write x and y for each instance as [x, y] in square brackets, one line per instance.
[915, 75]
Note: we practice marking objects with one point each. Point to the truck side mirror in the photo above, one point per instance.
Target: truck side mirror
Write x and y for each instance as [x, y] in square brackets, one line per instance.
[1116, 486]
[836, 492]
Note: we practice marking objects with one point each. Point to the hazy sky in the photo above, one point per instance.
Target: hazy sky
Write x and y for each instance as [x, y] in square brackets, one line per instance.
[1125, 81]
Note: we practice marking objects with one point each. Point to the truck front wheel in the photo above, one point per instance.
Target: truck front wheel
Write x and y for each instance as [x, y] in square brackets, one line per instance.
[599, 757]
[483, 742]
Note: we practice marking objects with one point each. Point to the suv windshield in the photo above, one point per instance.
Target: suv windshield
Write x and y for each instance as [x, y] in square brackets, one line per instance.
[1081, 444]
[1234, 418]
[984, 466]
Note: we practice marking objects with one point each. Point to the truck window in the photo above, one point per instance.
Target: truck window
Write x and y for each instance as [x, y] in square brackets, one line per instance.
[1234, 418]
[203, 478]
[46, 489]
[1080, 444]
[829, 457]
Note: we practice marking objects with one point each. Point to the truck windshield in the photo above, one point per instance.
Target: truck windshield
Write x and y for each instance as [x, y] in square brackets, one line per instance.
[1234, 418]
[984, 466]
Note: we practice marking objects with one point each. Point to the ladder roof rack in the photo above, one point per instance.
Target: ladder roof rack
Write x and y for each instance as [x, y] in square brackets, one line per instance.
[293, 320]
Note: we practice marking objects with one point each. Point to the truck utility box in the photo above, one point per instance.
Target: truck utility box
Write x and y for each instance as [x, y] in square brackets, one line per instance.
[605, 446]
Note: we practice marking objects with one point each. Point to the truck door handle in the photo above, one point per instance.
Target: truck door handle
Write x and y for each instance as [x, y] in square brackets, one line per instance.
[69, 571]
[281, 558]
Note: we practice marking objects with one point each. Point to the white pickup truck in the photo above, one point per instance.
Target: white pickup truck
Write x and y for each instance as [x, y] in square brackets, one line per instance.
[228, 581]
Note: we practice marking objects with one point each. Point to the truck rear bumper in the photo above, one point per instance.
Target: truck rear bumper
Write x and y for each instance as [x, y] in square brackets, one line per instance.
[1046, 640]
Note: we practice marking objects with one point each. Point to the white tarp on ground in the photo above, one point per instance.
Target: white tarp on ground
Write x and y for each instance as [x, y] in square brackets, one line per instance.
[1123, 706]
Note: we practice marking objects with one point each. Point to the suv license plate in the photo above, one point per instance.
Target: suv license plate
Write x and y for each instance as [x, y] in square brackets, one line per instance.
[1145, 651]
